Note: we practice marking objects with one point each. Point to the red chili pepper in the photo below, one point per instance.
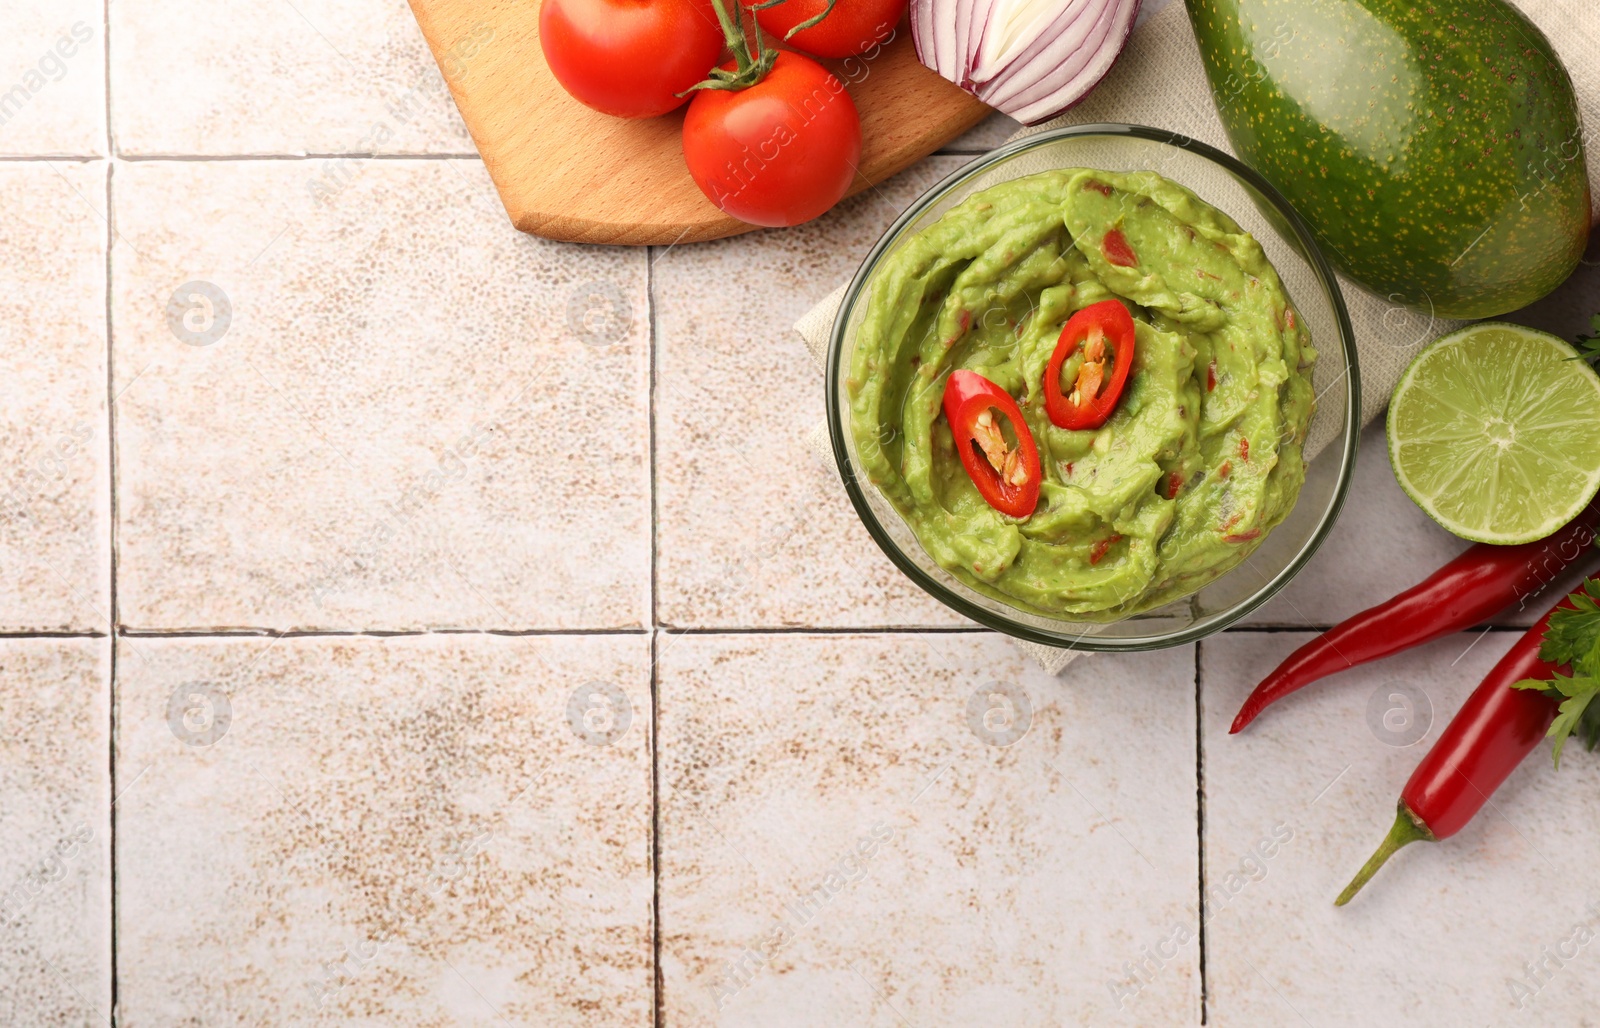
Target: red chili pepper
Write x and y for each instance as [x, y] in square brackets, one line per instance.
[1007, 478]
[1116, 249]
[1477, 585]
[964, 323]
[1211, 377]
[1098, 553]
[1489, 736]
[1089, 405]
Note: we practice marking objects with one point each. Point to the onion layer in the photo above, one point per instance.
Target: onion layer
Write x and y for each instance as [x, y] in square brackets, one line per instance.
[1031, 59]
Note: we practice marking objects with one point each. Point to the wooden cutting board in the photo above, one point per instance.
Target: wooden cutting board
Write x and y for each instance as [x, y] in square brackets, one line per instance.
[566, 172]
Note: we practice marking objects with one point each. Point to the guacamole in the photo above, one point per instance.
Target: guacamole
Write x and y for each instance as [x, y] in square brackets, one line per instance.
[1201, 457]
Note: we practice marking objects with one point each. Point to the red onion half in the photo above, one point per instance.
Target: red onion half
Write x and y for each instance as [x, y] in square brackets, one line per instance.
[1031, 59]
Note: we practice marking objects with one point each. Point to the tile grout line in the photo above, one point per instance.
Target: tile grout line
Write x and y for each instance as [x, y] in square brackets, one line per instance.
[129, 632]
[124, 632]
[190, 158]
[656, 983]
[111, 528]
[1200, 817]
[828, 630]
[87, 633]
[655, 542]
[658, 1011]
[105, 48]
[56, 158]
[184, 158]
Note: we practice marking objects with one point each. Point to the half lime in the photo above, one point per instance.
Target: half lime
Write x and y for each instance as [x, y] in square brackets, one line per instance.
[1494, 431]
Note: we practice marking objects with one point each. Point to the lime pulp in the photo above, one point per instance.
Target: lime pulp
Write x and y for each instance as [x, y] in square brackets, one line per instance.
[1494, 431]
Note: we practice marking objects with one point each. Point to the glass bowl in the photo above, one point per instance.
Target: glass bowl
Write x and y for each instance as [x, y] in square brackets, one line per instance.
[1259, 208]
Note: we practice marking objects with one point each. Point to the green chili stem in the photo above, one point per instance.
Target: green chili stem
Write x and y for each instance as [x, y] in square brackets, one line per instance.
[1408, 828]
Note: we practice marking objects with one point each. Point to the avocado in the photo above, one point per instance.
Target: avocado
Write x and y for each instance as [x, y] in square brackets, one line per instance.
[1435, 146]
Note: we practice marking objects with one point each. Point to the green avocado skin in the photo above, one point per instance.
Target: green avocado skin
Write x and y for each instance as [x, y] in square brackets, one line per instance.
[1435, 146]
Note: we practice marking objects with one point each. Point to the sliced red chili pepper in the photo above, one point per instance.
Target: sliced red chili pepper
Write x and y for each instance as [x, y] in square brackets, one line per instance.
[1174, 485]
[961, 329]
[1007, 478]
[1092, 399]
[1211, 377]
[1116, 249]
[1098, 553]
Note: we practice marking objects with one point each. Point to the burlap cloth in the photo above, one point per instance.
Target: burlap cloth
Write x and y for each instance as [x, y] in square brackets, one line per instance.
[1159, 81]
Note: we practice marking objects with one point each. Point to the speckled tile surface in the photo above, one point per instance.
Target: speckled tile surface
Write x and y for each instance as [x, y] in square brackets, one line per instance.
[52, 78]
[736, 396]
[922, 829]
[273, 77]
[1446, 932]
[415, 524]
[55, 860]
[395, 425]
[416, 831]
[1382, 543]
[54, 487]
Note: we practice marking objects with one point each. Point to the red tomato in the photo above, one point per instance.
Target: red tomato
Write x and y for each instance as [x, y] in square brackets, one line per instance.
[630, 57]
[852, 27]
[780, 152]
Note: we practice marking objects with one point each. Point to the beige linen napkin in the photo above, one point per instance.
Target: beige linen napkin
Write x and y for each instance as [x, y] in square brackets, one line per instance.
[1160, 81]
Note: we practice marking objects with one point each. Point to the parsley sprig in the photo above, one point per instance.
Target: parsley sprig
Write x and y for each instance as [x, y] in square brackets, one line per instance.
[1574, 638]
[1589, 345]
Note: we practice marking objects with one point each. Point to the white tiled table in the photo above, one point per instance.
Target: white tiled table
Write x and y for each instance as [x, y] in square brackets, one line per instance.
[550, 681]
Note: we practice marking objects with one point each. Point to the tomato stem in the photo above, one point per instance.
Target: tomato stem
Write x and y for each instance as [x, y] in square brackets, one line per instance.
[1408, 828]
[733, 32]
[748, 68]
[809, 22]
